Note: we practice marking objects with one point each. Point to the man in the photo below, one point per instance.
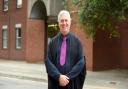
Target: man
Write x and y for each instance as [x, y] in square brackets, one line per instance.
[65, 62]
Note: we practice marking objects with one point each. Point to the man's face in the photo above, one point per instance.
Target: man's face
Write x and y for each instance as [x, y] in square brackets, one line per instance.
[64, 24]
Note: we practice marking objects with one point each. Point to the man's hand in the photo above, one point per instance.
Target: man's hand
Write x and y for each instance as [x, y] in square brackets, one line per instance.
[63, 80]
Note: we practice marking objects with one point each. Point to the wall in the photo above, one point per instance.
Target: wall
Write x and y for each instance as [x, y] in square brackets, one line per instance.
[11, 17]
[124, 45]
[35, 40]
[105, 51]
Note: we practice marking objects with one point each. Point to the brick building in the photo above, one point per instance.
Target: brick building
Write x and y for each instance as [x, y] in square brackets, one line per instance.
[23, 28]
[24, 34]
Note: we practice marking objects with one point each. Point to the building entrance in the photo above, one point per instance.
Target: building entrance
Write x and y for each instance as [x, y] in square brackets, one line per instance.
[53, 29]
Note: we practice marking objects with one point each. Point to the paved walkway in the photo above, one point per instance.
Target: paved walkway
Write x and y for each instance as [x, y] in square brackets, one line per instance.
[112, 79]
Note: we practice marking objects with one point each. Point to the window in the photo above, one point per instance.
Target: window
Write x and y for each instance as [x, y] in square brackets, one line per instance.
[4, 37]
[18, 36]
[19, 3]
[5, 7]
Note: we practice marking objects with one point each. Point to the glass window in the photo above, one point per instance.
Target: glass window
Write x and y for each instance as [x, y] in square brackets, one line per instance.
[5, 37]
[19, 3]
[18, 36]
[5, 7]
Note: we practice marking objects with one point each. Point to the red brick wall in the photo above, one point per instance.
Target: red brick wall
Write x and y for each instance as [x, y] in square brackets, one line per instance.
[11, 17]
[18, 54]
[32, 34]
[35, 40]
[1, 7]
[17, 15]
[124, 44]
[105, 51]
[111, 53]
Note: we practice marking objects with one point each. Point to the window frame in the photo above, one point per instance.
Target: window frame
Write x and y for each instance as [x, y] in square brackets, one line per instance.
[18, 39]
[19, 5]
[5, 5]
[4, 37]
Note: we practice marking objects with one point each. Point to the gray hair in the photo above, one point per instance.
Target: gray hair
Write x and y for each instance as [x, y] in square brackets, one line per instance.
[64, 12]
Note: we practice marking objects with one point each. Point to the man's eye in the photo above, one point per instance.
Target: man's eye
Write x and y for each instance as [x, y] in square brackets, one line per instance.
[66, 20]
[62, 20]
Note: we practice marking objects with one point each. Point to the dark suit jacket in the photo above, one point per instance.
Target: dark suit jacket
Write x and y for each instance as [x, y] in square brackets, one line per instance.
[74, 67]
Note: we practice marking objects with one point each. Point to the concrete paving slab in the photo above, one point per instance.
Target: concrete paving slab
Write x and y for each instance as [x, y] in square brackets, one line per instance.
[110, 79]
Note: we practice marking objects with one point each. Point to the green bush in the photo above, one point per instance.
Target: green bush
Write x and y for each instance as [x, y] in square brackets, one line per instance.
[103, 14]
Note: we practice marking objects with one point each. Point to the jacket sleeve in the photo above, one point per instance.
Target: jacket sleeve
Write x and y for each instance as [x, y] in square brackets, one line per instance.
[50, 67]
[79, 66]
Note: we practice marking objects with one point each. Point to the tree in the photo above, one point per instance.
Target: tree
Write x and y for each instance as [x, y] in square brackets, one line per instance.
[103, 14]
